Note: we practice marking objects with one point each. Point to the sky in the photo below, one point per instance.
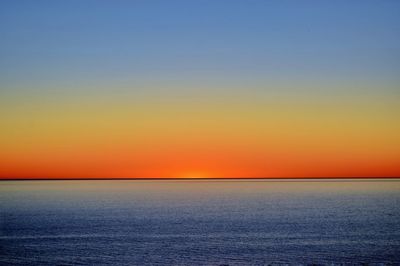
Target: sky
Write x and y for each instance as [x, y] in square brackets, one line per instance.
[205, 88]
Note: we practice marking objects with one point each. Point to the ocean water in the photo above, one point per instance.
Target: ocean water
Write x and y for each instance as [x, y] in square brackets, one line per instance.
[199, 222]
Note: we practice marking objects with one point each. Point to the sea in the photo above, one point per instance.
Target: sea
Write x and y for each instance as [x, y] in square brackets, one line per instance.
[200, 222]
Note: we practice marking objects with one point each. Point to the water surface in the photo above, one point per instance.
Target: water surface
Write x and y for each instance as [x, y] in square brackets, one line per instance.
[195, 222]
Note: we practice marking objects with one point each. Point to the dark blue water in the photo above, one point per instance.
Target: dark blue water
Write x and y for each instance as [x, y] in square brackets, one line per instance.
[199, 222]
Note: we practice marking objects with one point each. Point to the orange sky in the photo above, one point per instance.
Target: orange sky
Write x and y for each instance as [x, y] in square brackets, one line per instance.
[248, 138]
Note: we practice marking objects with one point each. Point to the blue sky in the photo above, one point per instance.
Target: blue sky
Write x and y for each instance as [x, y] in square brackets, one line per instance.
[74, 43]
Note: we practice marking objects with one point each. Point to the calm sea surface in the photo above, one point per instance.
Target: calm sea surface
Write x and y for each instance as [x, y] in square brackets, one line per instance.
[199, 222]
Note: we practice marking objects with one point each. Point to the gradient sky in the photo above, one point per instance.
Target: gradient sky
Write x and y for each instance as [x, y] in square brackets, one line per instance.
[199, 88]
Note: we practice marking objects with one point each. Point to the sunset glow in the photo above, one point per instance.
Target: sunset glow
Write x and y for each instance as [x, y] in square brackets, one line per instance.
[121, 94]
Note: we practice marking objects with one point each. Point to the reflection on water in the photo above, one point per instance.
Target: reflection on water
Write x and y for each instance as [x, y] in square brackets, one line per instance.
[198, 222]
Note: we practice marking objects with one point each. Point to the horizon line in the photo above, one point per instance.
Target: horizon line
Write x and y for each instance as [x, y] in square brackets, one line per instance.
[197, 178]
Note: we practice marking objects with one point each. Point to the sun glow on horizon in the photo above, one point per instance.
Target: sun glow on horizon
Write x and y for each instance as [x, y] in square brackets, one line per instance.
[196, 175]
